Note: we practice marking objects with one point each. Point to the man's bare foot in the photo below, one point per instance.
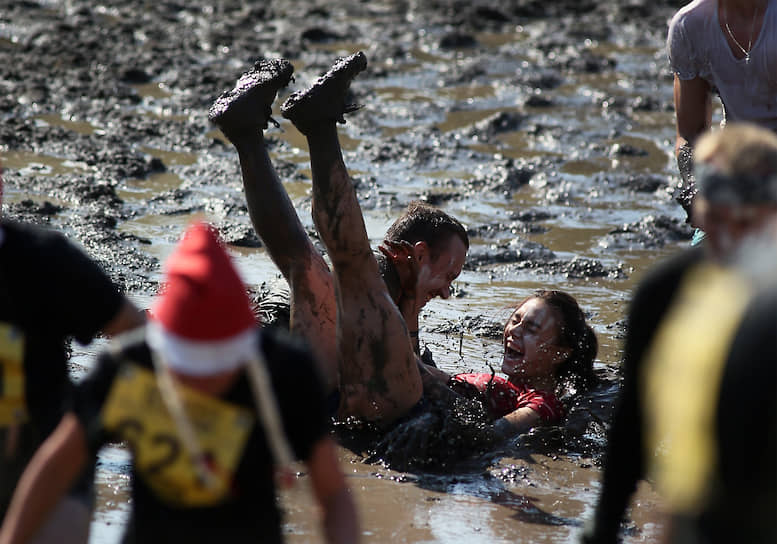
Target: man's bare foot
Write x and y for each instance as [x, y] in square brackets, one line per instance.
[247, 107]
[325, 100]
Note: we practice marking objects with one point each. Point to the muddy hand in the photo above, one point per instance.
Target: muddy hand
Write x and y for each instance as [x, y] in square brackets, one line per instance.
[406, 446]
[402, 256]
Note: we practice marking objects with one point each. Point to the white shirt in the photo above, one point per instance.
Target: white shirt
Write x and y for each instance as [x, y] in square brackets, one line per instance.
[697, 46]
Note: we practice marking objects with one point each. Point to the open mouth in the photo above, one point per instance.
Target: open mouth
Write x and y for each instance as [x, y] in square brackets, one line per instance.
[511, 353]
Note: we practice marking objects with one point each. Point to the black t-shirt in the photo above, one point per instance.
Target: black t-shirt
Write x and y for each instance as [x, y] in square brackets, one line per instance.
[624, 459]
[248, 512]
[743, 503]
[49, 291]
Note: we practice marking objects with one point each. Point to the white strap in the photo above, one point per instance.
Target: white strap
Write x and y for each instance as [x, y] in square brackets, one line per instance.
[267, 408]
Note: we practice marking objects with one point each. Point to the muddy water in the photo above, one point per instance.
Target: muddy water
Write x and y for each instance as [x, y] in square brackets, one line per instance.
[591, 144]
[539, 499]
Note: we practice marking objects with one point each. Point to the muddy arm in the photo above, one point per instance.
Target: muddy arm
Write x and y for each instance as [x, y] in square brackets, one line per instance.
[429, 372]
[516, 422]
[693, 109]
[51, 472]
[341, 522]
[401, 258]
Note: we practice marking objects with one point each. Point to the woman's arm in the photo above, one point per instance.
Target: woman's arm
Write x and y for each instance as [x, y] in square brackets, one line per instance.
[341, 522]
[50, 473]
[516, 422]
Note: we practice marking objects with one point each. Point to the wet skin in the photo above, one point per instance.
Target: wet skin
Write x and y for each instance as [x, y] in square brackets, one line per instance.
[531, 354]
[347, 314]
[423, 275]
[379, 376]
[360, 339]
[435, 279]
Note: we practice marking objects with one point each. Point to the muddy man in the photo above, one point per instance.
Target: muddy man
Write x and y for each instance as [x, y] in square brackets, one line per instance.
[363, 337]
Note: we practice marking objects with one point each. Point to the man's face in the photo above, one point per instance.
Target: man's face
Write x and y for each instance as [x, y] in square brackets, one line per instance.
[436, 275]
[727, 225]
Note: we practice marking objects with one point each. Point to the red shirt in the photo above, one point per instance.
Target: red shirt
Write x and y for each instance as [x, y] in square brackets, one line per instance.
[504, 397]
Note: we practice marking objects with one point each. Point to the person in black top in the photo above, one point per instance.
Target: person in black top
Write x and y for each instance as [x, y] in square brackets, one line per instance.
[737, 200]
[213, 408]
[709, 410]
[50, 291]
[742, 505]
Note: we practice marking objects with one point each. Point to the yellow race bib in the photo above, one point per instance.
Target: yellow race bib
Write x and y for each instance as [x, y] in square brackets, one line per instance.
[13, 408]
[136, 412]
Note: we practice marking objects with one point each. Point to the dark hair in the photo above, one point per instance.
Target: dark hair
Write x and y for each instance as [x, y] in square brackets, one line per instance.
[577, 372]
[421, 222]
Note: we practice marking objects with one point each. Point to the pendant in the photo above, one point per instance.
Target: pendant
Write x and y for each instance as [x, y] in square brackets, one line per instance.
[747, 58]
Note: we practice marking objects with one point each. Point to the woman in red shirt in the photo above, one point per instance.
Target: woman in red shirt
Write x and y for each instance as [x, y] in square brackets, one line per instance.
[549, 350]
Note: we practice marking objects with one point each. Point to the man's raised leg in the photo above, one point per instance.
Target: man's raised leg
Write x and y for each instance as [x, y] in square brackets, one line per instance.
[242, 113]
[379, 376]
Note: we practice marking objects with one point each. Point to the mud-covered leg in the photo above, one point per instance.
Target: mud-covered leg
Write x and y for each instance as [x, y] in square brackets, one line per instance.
[379, 377]
[242, 114]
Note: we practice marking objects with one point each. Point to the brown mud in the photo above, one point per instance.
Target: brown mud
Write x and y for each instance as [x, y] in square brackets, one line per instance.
[545, 126]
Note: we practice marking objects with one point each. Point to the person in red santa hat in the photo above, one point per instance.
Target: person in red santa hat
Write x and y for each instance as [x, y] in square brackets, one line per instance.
[213, 407]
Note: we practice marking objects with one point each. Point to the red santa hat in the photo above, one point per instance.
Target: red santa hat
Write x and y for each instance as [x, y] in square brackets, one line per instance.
[202, 323]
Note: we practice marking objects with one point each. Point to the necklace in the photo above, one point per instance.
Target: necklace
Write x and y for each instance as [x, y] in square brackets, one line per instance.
[745, 52]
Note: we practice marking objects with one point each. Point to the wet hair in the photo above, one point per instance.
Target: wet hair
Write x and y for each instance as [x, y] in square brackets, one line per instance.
[577, 372]
[421, 222]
